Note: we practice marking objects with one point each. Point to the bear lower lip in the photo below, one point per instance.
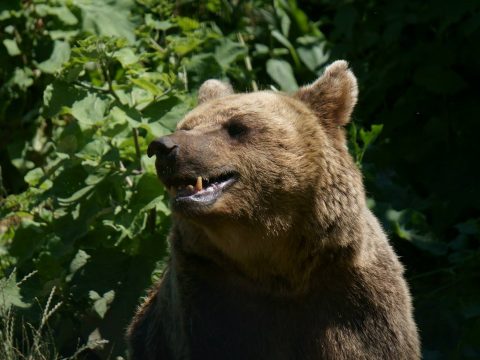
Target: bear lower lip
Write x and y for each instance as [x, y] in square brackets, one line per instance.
[206, 196]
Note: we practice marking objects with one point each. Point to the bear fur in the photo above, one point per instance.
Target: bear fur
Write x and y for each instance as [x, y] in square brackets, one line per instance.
[287, 262]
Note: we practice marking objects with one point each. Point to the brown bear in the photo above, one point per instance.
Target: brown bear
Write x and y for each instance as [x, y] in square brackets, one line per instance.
[274, 253]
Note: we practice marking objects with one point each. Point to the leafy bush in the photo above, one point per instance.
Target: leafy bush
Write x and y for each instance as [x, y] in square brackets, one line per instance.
[94, 83]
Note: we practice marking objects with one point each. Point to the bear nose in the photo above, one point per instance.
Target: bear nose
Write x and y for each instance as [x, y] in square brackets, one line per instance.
[163, 147]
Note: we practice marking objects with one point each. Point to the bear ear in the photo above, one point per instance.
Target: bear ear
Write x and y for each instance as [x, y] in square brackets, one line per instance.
[213, 89]
[333, 95]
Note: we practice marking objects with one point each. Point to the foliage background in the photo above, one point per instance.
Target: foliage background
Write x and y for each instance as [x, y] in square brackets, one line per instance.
[86, 84]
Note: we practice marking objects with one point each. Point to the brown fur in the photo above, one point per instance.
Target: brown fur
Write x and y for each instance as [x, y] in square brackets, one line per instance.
[288, 263]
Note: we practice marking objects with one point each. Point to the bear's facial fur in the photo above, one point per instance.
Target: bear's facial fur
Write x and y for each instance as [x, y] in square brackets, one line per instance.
[267, 167]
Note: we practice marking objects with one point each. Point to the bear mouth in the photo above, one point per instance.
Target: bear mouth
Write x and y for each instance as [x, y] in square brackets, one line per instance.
[201, 190]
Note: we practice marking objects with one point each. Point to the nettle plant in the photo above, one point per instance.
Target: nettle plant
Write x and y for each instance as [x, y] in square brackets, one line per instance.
[93, 220]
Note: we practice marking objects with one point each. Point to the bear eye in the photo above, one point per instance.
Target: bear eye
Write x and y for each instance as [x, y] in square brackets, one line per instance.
[236, 129]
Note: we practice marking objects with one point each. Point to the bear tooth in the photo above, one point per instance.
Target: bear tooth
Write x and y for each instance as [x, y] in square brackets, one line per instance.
[190, 188]
[173, 191]
[198, 185]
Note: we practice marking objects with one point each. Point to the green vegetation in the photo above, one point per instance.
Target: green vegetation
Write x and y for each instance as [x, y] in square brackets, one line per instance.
[85, 85]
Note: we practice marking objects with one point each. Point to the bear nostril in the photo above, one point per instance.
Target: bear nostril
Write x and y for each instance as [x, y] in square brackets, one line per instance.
[163, 146]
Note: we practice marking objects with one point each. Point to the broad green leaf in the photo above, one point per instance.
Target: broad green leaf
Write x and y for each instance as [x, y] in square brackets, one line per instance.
[176, 113]
[60, 55]
[62, 12]
[60, 95]
[228, 52]
[184, 45]
[156, 24]
[12, 47]
[94, 150]
[80, 259]
[187, 24]
[282, 73]
[313, 56]
[33, 176]
[10, 294]
[90, 110]
[29, 236]
[23, 78]
[126, 57]
[107, 18]
[202, 67]
[120, 117]
[36, 178]
[147, 85]
[149, 193]
[285, 24]
[261, 49]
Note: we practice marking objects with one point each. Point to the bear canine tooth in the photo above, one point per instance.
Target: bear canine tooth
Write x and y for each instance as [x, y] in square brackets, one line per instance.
[173, 191]
[198, 185]
[190, 188]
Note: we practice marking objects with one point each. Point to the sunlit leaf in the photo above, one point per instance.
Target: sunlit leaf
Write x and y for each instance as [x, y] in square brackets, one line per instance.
[282, 73]
[60, 54]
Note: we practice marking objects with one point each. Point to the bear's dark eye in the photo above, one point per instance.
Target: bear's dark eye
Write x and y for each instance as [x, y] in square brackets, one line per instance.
[236, 129]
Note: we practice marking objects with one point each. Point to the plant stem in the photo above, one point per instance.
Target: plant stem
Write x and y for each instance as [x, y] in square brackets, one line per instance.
[137, 149]
[248, 62]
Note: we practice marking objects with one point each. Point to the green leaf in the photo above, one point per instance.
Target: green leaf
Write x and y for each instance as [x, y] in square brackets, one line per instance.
[28, 238]
[368, 137]
[36, 178]
[313, 55]
[187, 24]
[94, 150]
[285, 42]
[156, 24]
[12, 47]
[90, 110]
[23, 78]
[80, 260]
[149, 193]
[108, 18]
[126, 57]
[282, 73]
[10, 294]
[62, 12]
[101, 304]
[202, 67]
[285, 24]
[228, 52]
[76, 196]
[59, 56]
[59, 95]
[147, 85]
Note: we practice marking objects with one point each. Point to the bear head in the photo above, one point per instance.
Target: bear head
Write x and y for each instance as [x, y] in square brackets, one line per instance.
[264, 175]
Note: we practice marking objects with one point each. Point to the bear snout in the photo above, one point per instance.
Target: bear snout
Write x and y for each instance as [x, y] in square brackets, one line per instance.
[164, 146]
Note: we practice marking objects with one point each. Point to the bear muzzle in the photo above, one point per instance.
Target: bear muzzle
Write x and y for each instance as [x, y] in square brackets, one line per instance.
[187, 179]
